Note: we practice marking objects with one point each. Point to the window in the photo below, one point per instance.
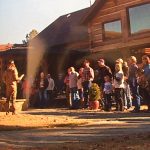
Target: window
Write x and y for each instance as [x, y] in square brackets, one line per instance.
[139, 18]
[112, 30]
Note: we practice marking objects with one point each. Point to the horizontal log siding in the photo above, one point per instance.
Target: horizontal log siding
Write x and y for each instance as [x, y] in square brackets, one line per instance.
[77, 45]
[111, 11]
[118, 45]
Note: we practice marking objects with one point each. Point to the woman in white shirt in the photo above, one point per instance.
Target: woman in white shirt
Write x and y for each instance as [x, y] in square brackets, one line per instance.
[119, 87]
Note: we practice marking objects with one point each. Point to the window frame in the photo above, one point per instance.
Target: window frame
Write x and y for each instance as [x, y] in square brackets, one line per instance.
[103, 30]
[128, 20]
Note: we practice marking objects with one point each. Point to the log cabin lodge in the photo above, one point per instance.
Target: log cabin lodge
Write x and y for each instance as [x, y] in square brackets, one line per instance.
[109, 29]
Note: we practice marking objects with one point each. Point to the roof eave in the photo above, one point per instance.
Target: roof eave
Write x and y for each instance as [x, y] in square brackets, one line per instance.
[94, 9]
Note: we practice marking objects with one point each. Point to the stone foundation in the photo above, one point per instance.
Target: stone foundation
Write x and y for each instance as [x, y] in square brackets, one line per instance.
[20, 105]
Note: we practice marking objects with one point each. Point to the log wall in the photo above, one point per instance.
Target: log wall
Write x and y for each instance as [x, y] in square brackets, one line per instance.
[114, 10]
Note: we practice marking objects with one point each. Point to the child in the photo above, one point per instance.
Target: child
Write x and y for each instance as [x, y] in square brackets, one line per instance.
[80, 87]
[119, 87]
[107, 93]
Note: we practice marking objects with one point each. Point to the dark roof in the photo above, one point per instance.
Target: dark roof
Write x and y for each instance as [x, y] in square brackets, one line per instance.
[14, 49]
[93, 10]
[66, 29]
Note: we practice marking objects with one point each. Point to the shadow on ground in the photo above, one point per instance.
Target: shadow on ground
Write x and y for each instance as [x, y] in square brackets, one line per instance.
[87, 114]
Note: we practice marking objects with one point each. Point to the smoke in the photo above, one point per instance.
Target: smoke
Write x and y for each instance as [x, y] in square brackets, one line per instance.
[36, 51]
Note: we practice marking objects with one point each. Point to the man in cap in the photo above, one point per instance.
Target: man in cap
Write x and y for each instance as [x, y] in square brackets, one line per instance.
[11, 78]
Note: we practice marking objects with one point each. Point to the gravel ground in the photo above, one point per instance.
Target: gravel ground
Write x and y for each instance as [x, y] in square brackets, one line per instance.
[75, 129]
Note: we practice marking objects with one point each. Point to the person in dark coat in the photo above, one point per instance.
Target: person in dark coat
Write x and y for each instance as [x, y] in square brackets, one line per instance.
[133, 82]
[146, 68]
[42, 84]
[103, 71]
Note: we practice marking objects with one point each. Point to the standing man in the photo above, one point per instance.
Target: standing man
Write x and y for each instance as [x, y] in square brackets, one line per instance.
[132, 78]
[11, 78]
[87, 78]
[103, 71]
[50, 89]
[146, 68]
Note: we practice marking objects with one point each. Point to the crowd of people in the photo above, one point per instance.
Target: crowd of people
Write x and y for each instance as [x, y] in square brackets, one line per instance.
[128, 85]
[39, 91]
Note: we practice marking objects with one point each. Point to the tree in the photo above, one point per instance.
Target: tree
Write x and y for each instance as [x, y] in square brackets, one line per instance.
[30, 36]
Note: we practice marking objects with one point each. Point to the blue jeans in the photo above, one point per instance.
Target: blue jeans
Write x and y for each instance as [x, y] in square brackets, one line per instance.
[107, 101]
[86, 87]
[42, 98]
[49, 97]
[135, 93]
[119, 98]
[74, 97]
[127, 96]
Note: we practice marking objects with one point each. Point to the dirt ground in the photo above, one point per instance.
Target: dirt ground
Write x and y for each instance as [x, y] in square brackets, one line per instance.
[75, 129]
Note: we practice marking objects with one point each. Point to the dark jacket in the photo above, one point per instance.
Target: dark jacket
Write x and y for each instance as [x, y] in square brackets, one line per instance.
[45, 84]
[102, 72]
